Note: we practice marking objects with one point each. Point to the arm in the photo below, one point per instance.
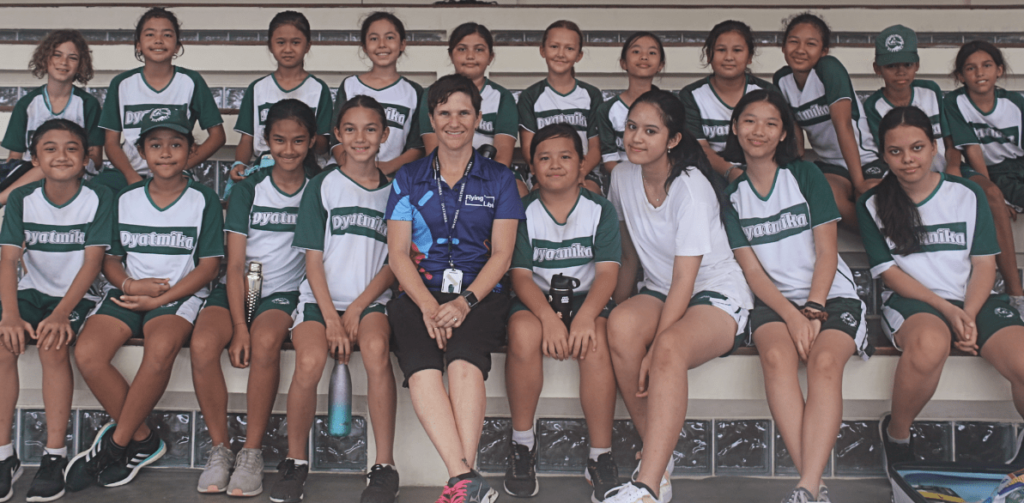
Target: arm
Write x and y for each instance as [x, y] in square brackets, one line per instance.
[903, 284]
[801, 149]
[239, 350]
[593, 157]
[826, 260]
[720, 165]
[842, 119]
[118, 158]
[380, 282]
[626, 281]
[800, 328]
[684, 275]
[953, 157]
[17, 156]
[209, 147]
[320, 144]
[505, 144]
[96, 155]
[12, 327]
[243, 152]
[408, 156]
[583, 334]
[976, 159]
[339, 345]
[503, 243]
[56, 328]
[525, 138]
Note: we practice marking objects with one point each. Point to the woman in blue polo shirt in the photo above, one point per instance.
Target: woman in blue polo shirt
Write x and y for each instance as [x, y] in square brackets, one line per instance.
[452, 221]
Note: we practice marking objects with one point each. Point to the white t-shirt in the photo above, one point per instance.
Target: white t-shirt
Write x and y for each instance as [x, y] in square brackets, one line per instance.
[346, 222]
[686, 224]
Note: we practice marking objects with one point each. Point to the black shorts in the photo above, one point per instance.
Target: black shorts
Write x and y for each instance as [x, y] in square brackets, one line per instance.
[482, 333]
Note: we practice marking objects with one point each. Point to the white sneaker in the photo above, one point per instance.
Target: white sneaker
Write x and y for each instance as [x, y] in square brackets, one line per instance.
[629, 493]
[665, 488]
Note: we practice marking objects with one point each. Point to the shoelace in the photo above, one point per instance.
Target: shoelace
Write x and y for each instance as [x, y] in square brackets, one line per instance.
[219, 457]
[378, 476]
[248, 461]
[458, 493]
[521, 461]
[446, 496]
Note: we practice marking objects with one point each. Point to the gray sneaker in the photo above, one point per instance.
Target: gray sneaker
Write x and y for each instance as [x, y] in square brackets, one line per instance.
[823, 494]
[214, 478]
[247, 479]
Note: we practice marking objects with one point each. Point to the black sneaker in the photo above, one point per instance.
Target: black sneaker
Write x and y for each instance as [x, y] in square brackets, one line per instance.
[288, 488]
[83, 469]
[136, 456]
[521, 476]
[48, 483]
[381, 485]
[10, 472]
[893, 452]
[603, 474]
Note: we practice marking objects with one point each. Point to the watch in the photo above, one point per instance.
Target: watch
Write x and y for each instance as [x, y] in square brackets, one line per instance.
[470, 298]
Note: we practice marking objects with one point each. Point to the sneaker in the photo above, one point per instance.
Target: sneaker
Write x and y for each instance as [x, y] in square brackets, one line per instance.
[799, 495]
[217, 471]
[823, 494]
[136, 456]
[288, 489]
[470, 488]
[630, 492]
[521, 476]
[665, 487]
[381, 485]
[892, 452]
[48, 484]
[603, 475]
[10, 472]
[83, 469]
[247, 479]
[446, 495]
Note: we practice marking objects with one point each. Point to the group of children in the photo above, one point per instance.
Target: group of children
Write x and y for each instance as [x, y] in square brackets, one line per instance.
[708, 197]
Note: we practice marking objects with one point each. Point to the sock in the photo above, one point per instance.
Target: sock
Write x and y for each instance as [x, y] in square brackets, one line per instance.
[6, 451]
[524, 438]
[300, 462]
[62, 452]
[904, 441]
[597, 451]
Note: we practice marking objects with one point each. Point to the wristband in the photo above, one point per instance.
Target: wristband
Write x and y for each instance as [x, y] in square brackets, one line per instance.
[236, 163]
[814, 305]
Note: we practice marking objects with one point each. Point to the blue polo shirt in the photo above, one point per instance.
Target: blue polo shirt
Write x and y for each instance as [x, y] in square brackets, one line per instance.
[490, 194]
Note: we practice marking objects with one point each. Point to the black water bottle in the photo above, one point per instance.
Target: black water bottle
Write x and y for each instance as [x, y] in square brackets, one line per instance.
[560, 296]
[487, 151]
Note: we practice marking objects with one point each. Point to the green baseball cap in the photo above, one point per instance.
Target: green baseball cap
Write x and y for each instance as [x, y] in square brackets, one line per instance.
[896, 44]
[170, 117]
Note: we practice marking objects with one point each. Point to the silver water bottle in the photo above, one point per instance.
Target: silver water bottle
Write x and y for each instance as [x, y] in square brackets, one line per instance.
[339, 398]
[254, 289]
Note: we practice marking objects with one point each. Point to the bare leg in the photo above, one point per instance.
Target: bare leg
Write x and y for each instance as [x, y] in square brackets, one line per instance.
[100, 340]
[268, 333]
[382, 393]
[631, 329]
[469, 403]
[1007, 258]
[1005, 350]
[704, 333]
[58, 387]
[824, 411]
[925, 340]
[524, 369]
[9, 393]
[310, 340]
[164, 337]
[842, 190]
[780, 362]
[212, 334]
[434, 410]
[597, 389]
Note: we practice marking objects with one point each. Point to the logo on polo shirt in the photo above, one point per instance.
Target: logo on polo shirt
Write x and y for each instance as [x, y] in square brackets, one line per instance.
[264, 218]
[576, 119]
[361, 221]
[944, 236]
[160, 114]
[485, 201]
[74, 316]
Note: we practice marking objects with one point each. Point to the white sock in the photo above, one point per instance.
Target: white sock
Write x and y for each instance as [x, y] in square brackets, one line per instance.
[6, 451]
[62, 452]
[904, 441]
[524, 438]
[300, 462]
[597, 451]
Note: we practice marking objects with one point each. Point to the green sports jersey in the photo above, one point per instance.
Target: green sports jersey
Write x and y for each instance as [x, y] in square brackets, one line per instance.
[33, 109]
[55, 237]
[998, 131]
[264, 92]
[956, 225]
[401, 102]
[611, 124]
[828, 83]
[266, 215]
[167, 242]
[707, 116]
[498, 115]
[130, 98]
[925, 95]
[779, 228]
[345, 221]
[540, 105]
[589, 235]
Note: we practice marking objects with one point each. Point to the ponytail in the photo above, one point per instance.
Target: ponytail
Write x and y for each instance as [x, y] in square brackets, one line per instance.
[901, 222]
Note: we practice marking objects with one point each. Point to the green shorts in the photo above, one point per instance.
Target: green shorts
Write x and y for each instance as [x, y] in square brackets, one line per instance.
[711, 298]
[995, 314]
[187, 308]
[967, 172]
[281, 301]
[1009, 177]
[34, 306]
[873, 170]
[844, 314]
[310, 311]
[577, 303]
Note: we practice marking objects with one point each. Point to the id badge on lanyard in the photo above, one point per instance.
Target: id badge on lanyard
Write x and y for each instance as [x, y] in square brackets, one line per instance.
[451, 279]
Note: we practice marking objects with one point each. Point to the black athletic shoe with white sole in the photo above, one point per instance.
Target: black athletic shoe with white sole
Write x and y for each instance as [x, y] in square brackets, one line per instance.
[381, 485]
[83, 469]
[48, 484]
[893, 452]
[288, 488]
[521, 476]
[603, 474]
[10, 472]
[136, 456]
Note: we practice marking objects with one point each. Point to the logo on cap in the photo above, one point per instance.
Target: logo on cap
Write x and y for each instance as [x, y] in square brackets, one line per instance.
[160, 114]
[894, 43]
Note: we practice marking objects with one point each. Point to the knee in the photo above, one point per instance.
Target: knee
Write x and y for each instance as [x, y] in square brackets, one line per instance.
[375, 351]
[824, 365]
[88, 359]
[925, 356]
[523, 346]
[668, 354]
[266, 350]
[620, 343]
[158, 359]
[204, 352]
[50, 357]
[463, 370]
[309, 367]
[776, 359]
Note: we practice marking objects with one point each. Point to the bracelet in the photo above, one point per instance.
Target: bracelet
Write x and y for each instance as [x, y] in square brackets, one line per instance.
[729, 171]
[123, 283]
[812, 315]
[814, 305]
